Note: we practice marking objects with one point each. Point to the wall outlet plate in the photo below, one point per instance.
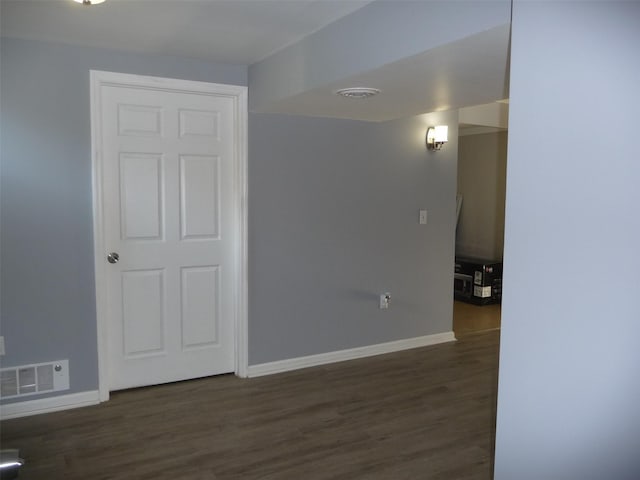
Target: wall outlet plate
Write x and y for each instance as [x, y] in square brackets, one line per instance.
[423, 217]
[1, 345]
[385, 299]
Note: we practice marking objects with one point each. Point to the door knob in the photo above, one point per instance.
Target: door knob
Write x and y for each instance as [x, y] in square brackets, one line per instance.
[113, 257]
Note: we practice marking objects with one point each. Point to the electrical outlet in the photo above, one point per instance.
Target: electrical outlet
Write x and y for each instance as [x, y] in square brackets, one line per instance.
[1, 345]
[423, 217]
[385, 299]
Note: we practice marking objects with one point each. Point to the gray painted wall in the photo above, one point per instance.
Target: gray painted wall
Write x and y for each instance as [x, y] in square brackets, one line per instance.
[482, 170]
[47, 279]
[333, 218]
[569, 387]
[380, 33]
[333, 222]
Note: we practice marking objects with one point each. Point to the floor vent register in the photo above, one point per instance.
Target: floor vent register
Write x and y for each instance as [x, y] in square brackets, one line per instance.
[34, 379]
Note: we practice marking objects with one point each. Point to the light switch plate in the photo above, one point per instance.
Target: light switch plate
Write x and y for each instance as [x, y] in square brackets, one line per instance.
[423, 217]
[1, 345]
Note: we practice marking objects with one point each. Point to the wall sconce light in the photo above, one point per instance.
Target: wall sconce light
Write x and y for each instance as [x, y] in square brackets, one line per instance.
[437, 136]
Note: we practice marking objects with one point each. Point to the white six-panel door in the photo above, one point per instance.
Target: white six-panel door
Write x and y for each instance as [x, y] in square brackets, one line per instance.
[168, 216]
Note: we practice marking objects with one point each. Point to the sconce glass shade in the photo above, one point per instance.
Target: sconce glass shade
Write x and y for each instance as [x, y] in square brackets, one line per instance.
[437, 136]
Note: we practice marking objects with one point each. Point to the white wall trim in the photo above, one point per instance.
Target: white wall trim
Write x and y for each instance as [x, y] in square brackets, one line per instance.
[238, 93]
[349, 354]
[242, 232]
[48, 405]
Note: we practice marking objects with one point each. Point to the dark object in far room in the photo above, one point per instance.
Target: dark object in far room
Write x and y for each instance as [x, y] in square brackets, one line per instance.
[477, 281]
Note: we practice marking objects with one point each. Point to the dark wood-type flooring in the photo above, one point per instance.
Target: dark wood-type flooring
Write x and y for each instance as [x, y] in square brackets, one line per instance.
[426, 413]
[468, 318]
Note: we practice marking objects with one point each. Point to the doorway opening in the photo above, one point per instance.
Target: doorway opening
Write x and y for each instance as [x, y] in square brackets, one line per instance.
[481, 179]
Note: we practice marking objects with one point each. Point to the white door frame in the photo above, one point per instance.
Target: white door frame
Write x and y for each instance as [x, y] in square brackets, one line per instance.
[239, 96]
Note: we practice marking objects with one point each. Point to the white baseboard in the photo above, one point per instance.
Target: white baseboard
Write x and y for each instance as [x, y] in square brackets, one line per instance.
[350, 354]
[48, 405]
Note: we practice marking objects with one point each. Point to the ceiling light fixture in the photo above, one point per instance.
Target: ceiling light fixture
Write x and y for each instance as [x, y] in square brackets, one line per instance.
[357, 92]
[89, 2]
[437, 136]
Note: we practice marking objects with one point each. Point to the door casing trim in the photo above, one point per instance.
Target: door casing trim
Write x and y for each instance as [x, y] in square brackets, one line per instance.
[238, 94]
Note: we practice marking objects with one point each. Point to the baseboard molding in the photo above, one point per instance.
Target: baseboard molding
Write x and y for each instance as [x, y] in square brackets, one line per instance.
[350, 354]
[48, 405]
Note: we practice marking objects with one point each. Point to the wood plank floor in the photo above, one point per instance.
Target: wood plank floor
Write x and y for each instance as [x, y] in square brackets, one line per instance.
[427, 413]
[468, 318]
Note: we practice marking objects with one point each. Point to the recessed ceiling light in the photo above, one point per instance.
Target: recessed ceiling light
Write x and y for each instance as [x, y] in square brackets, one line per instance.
[357, 92]
[89, 2]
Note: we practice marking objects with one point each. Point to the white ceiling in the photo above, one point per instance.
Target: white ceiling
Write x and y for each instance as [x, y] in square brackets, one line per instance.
[471, 71]
[230, 31]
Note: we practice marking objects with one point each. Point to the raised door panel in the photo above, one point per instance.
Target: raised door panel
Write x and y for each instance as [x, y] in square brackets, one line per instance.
[199, 123]
[143, 312]
[139, 120]
[199, 197]
[141, 205]
[200, 306]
